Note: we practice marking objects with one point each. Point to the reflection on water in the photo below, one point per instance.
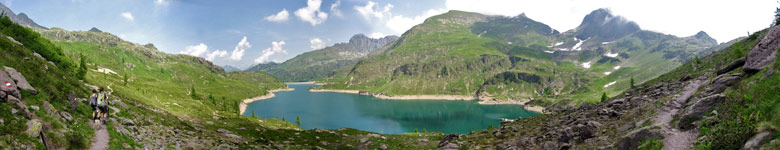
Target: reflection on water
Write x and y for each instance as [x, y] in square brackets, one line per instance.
[324, 110]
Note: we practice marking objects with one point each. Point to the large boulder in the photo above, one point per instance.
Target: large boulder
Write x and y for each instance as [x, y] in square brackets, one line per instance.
[21, 82]
[34, 128]
[633, 138]
[734, 65]
[721, 83]
[755, 142]
[8, 85]
[699, 109]
[764, 53]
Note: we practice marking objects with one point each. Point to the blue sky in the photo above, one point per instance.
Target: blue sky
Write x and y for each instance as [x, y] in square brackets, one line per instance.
[242, 33]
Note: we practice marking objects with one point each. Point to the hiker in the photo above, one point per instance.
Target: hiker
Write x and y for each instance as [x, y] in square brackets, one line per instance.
[103, 104]
[93, 103]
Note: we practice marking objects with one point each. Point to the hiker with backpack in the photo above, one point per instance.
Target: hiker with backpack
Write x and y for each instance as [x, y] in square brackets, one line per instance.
[102, 104]
[93, 103]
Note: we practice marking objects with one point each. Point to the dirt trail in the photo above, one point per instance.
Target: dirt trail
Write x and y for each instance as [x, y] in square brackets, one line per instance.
[100, 141]
[673, 138]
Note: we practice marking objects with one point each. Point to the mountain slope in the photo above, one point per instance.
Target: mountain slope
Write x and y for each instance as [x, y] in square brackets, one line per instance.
[706, 104]
[325, 62]
[519, 59]
[21, 18]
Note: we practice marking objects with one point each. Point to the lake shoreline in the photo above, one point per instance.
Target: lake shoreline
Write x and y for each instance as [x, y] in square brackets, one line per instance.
[245, 102]
[482, 100]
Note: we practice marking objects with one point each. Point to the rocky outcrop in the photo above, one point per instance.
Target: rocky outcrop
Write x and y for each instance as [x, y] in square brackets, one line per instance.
[721, 83]
[34, 128]
[700, 108]
[734, 65]
[632, 139]
[21, 82]
[755, 142]
[8, 85]
[764, 53]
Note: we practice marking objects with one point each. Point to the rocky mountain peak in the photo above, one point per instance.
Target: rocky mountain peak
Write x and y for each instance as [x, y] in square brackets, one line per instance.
[704, 36]
[602, 23]
[21, 18]
[94, 29]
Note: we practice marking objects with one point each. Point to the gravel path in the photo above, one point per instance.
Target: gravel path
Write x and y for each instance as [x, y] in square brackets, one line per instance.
[675, 139]
[100, 141]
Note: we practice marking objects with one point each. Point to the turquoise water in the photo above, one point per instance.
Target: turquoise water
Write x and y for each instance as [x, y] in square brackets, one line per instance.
[325, 110]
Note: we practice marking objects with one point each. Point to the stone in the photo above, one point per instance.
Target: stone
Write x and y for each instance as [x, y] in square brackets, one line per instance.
[734, 65]
[39, 56]
[34, 128]
[363, 140]
[2, 94]
[631, 140]
[14, 111]
[224, 131]
[8, 85]
[128, 122]
[21, 82]
[764, 53]
[383, 147]
[700, 108]
[720, 83]
[66, 116]
[754, 143]
[36, 108]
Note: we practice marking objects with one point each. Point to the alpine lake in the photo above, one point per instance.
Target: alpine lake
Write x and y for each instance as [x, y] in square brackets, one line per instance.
[328, 110]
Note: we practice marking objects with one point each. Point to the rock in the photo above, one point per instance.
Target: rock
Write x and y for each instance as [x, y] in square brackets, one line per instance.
[8, 85]
[129, 65]
[447, 139]
[720, 83]
[422, 140]
[698, 109]
[2, 94]
[632, 139]
[383, 147]
[450, 146]
[34, 128]
[754, 143]
[34, 107]
[224, 131]
[363, 140]
[39, 56]
[21, 82]
[764, 53]
[14, 111]
[66, 116]
[52, 63]
[734, 65]
[128, 122]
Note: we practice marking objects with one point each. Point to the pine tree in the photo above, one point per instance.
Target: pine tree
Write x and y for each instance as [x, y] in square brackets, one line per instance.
[192, 92]
[490, 127]
[283, 119]
[425, 131]
[82, 72]
[632, 82]
[125, 79]
[253, 113]
[211, 98]
[415, 130]
[604, 97]
[298, 120]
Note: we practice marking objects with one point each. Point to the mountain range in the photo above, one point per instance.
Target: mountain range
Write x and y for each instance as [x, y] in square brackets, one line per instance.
[501, 58]
[326, 62]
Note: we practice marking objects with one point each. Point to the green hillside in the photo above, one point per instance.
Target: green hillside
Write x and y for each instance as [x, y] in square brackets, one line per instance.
[326, 62]
[517, 58]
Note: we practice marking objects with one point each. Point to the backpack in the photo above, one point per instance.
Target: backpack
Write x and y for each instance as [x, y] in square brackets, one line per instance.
[93, 100]
[102, 98]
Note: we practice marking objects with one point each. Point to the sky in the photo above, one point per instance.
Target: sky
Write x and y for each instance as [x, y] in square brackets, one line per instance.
[242, 33]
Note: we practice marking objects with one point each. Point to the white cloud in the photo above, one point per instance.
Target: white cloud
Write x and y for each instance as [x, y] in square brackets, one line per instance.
[276, 48]
[195, 50]
[377, 35]
[679, 19]
[368, 11]
[334, 9]
[161, 2]
[282, 16]
[238, 52]
[218, 53]
[311, 13]
[399, 24]
[317, 43]
[128, 16]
